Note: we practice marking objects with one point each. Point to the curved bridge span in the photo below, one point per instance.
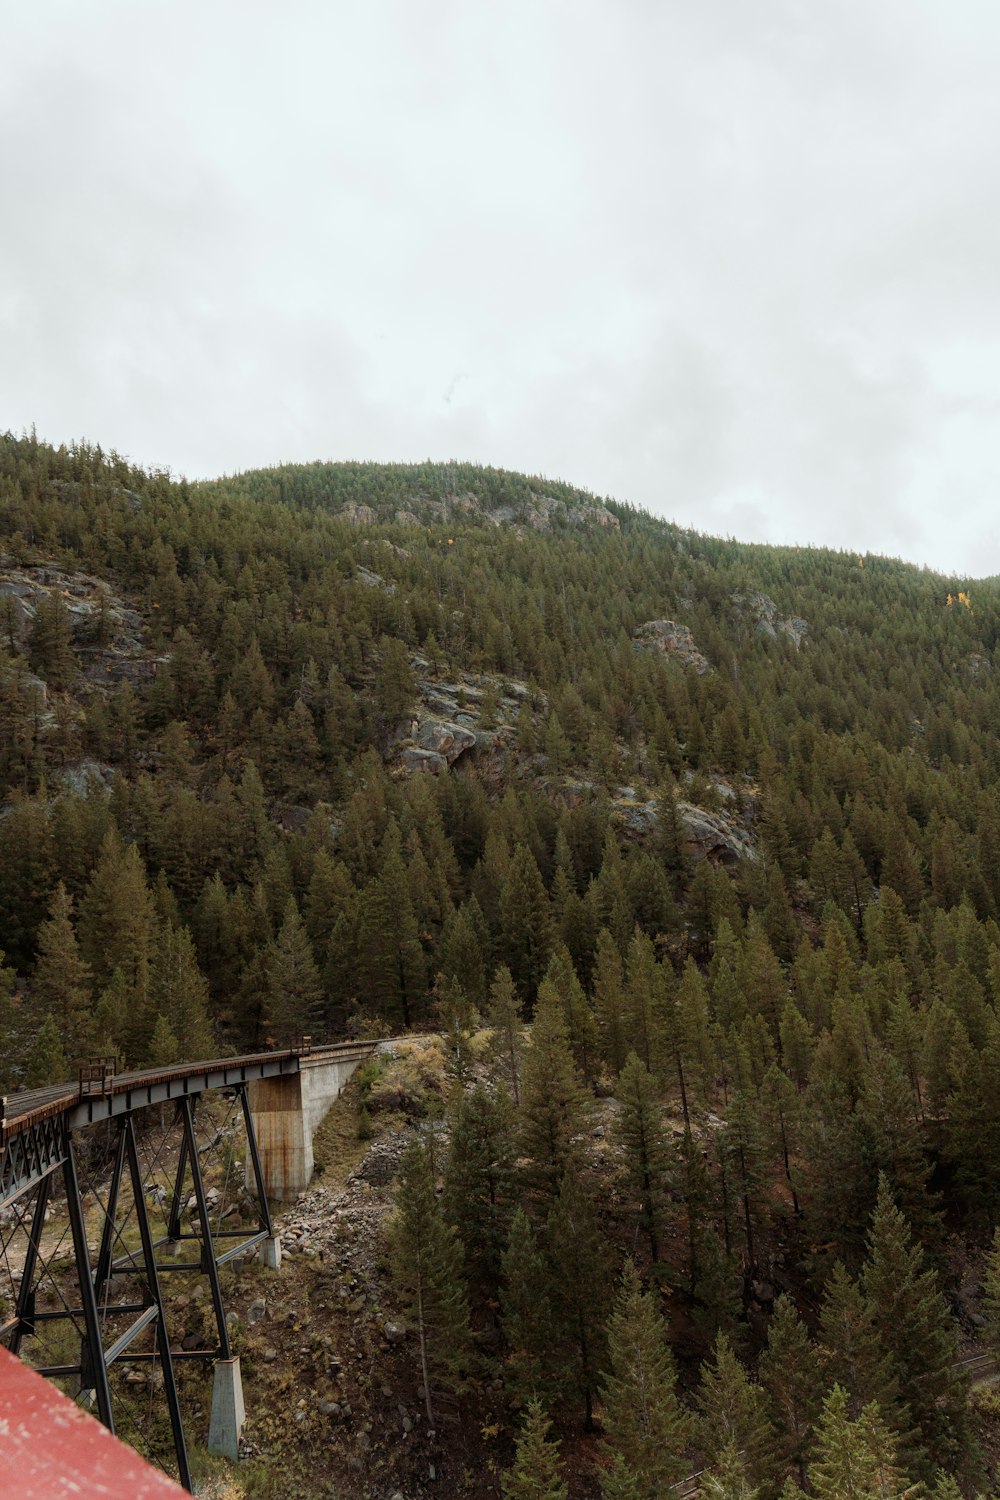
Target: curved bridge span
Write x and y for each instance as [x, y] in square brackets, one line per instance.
[156, 1183]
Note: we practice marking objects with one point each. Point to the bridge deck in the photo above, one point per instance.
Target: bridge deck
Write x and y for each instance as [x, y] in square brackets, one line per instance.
[86, 1101]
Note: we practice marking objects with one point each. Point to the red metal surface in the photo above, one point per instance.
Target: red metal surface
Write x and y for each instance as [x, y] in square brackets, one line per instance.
[51, 1450]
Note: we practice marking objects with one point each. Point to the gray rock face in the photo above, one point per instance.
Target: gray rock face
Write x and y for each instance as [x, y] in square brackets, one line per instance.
[445, 738]
[412, 759]
[714, 836]
[373, 580]
[762, 610]
[358, 515]
[671, 639]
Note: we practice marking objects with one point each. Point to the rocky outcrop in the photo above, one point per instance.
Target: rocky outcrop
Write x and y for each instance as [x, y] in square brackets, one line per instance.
[723, 837]
[673, 640]
[719, 837]
[107, 633]
[372, 580]
[541, 513]
[357, 515]
[763, 612]
[413, 760]
[470, 714]
[445, 739]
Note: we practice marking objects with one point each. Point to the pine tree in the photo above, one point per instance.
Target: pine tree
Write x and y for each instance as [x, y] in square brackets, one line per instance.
[609, 1002]
[991, 1291]
[61, 984]
[164, 1048]
[641, 1132]
[527, 1317]
[578, 1260]
[855, 1459]
[117, 921]
[733, 1414]
[580, 1024]
[553, 1102]
[178, 992]
[618, 1481]
[391, 967]
[8, 1017]
[790, 1374]
[643, 1419]
[535, 1473]
[852, 1353]
[729, 1478]
[427, 1266]
[505, 1015]
[46, 1059]
[525, 923]
[645, 1002]
[294, 989]
[478, 1187]
[912, 1319]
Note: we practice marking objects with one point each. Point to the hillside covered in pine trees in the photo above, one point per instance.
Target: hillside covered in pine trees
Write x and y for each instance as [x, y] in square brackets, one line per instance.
[688, 850]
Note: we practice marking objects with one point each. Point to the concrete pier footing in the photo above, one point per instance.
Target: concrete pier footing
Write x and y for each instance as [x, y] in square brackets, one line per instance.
[286, 1110]
[228, 1411]
[270, 1252]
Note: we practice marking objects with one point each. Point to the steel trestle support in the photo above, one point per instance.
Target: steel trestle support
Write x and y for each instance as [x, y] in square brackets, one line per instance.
[127, 1128]
[37, 1143]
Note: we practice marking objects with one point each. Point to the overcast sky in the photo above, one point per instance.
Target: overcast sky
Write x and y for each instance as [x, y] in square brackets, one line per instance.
[737, 261]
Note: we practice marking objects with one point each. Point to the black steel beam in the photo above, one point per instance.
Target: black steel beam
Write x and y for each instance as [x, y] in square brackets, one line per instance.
[81, 1250]
[153, 1281]
[258, 1171]
[149, 1315]
[105, 1262]
[207, 1249]
[25, 1292]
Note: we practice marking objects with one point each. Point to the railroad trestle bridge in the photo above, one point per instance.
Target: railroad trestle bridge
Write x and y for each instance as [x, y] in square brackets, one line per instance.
[173, 1189]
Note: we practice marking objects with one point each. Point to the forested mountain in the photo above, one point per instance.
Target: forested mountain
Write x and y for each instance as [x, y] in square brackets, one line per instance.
[363, 747]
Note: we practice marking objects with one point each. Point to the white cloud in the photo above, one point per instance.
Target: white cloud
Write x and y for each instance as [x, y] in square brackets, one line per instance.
[735, 263]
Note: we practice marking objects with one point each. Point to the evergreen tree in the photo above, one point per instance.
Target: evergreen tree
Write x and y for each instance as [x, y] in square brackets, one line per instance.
[294, 989]
[427, 1266]
[790, 1374]
[914, 1324]
[578, 1259]
[852, 1353]
[164, 1048]
[391, 967]
[855, 1458]
[179, 993]
[733, 1414]
[525, 923]
[609, 1002]
[527, 1316]
[535, 1473]
[641, 1132]
[505, 1015]
[46, 1059]
[643, 1419]
[553, 1102]
[61, 984]
[991, 1291]
[478, 1187]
